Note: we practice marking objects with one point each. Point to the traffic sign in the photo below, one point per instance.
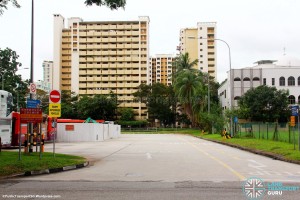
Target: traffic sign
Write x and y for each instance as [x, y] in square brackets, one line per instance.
[33, 103]
[31, 115]
[32, 88]
[54, 96]
[292, 121]
[54, 109]
[295, 110]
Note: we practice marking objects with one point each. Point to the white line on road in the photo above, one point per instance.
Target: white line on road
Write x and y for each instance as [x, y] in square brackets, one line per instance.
[149, 156]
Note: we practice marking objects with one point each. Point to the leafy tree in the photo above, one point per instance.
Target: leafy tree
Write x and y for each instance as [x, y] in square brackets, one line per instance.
[4, 3]
[112, 4]
[12, 82]
[96, 107]
[43, 96]
[264, 103]
[126, 114]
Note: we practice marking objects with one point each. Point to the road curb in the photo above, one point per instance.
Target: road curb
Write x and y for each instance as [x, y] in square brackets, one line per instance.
[48, 171]
[259, 152]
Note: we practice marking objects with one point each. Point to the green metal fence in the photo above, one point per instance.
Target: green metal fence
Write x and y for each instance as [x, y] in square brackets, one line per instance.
[269, 131]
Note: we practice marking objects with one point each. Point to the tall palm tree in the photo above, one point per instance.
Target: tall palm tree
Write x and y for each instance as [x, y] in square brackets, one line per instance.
[183, 62]
[188, 87]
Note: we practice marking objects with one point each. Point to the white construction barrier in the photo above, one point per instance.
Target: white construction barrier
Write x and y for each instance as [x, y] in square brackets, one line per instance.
[86, 132]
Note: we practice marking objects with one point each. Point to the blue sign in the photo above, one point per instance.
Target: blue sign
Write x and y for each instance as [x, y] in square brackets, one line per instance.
[235, 120]
[295, 110]
[33, 103]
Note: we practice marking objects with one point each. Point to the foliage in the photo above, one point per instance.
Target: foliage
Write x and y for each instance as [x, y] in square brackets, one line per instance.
[126, 114]
[137, 123]
[12, 82]
[3, 5]
[97, 107]
[160, 101]
[264, 103]
[112, 4]
[183, 62]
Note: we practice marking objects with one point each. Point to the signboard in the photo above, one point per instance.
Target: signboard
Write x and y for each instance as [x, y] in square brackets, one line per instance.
[294, 110]
[32, 103]
[54, 96]
[235, 119]
[31, 115]
[69, 127]
[32, 88]
[54, 109]
[292, 121]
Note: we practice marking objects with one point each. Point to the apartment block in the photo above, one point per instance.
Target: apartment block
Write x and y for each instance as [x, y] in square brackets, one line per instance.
[48, 72]
[200, 43]
[99, 57]
[160, 69]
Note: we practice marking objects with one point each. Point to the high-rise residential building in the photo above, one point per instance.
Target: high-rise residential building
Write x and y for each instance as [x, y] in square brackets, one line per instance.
[160, 68]
[200, 44]
[47, 72]
[99, 57]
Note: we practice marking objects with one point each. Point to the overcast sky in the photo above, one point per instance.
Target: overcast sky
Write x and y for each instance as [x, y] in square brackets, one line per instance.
[254, 29]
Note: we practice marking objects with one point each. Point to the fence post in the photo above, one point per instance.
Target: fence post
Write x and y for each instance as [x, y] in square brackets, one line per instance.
[289, 133]
[267, 131]
[258, 130]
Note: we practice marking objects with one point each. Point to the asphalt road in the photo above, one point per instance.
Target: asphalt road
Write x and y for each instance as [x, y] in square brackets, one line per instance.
[156, 167]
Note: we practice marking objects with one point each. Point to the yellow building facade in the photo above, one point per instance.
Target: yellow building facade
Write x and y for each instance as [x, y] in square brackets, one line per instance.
[99, 57]
[200, 44]
[161, 69]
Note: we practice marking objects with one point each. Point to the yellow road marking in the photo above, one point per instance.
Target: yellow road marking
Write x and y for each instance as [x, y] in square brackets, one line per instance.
[241, 177]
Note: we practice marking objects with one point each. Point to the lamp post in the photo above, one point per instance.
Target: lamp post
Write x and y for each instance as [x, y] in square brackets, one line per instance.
[230, 78]
[2, 78]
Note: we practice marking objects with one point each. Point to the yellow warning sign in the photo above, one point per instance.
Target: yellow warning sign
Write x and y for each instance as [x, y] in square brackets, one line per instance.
[292, 122]
[54, 109]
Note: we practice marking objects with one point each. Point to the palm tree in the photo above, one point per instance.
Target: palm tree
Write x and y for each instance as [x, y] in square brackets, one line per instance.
[183, 62]
[188, 88]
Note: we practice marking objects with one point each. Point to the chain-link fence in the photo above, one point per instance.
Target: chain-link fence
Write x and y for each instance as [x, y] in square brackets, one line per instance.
[270, 131]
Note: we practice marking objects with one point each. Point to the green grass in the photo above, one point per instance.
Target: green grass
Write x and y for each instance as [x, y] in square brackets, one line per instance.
[10, 164]
[194, 132]
[283, 149]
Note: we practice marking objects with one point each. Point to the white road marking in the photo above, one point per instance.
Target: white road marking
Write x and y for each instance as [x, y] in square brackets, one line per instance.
[149, 156]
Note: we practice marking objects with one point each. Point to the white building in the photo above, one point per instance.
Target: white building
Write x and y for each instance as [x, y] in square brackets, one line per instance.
[282, 74]
[48, 72]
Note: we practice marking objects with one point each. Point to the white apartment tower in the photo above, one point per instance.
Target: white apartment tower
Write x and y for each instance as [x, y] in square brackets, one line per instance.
[200, 44]
[48, 72]
[99, 57]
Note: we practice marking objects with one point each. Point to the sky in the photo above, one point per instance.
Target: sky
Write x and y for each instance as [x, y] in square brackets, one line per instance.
[254, 29]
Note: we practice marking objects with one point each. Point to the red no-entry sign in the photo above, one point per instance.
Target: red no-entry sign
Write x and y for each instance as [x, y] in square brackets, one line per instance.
[54, 96]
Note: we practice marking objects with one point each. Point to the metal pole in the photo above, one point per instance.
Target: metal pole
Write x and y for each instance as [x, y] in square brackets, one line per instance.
[298, 133]
[20, 131]
[2, 77]
[31, 71]
[208, 94]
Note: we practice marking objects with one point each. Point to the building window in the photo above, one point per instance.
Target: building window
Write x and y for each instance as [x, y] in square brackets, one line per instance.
[264, 81]
[292, 99]
[237, 79]
[299, 99]
[299, 80]
[273, 81]
[281, 81]
[291, 81]
[255, 79]
[246, 79]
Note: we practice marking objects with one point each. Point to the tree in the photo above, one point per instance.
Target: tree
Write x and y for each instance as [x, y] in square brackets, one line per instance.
[112, 4]
[126, 114]
[12, 82]
[264, 103]
[183, 62]
[3, 5]
[188, 88]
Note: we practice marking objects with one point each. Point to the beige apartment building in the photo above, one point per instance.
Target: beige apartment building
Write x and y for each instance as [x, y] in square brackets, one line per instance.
[160, 68]
[200, 44]
[97, 57]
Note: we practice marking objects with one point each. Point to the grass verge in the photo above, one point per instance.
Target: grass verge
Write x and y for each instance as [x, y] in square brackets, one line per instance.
[10, 164]
[282, 149]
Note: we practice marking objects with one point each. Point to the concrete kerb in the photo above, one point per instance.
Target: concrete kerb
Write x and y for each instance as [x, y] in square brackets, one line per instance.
[48, 171]
[259, 152]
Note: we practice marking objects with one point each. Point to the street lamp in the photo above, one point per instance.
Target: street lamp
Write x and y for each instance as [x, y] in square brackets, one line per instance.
[230, 78]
